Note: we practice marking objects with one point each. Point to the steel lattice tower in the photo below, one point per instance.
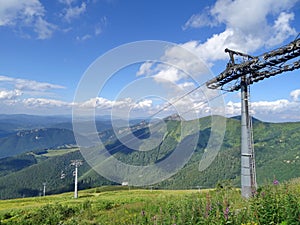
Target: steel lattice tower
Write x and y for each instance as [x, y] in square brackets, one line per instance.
[239, 77]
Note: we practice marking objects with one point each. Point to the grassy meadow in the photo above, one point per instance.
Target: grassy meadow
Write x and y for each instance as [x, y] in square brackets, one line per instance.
[272, 204]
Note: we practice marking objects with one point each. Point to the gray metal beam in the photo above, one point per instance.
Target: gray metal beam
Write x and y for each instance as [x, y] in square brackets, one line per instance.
[248, 176]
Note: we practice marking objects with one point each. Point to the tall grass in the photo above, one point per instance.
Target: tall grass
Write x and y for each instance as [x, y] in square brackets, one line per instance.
[272, 204]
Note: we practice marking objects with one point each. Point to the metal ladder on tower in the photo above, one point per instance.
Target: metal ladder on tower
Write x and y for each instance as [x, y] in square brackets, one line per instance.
[251, 145]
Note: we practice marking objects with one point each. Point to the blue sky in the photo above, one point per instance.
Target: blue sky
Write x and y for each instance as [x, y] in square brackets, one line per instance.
[46, 46]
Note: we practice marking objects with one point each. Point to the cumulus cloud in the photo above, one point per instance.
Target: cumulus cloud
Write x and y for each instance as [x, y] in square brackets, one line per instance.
[295, 94]
[247, 27]
[8, 95]
[44, 103]
[169, 74]
[282, 29]
[35, 106]
[178, 65]
[26, 14]
[97, 102]
[105, 104]
[188, 107]
[213, 49]
[273, 111]
[18, 95]
[145, 104]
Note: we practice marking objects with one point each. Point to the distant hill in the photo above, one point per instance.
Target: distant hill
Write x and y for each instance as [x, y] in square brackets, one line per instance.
[36, 139]
[15, 163]
[28, 181]
[277, 149]
[16, 122]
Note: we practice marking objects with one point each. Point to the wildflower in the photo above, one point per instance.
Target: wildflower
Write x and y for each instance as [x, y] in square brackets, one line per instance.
[226, 213]
[275, 182]
[254, 192]
[208, 206]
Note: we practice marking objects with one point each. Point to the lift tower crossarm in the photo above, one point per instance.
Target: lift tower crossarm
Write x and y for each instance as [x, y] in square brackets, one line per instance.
[257, 68]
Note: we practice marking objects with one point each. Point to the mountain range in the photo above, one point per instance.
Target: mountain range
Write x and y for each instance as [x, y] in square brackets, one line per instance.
[43, 153]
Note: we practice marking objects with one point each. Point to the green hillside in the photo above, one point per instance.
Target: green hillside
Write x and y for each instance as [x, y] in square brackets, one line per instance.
[276, 145]
[28, 181]
[272, 204]
[35, 139]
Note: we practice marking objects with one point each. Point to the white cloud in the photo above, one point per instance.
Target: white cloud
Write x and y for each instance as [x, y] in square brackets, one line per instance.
[247, 27]
[282, 28]
[186, 86]
[44, 29]
[11, 12]
[67, 2]
[8, 95]
[233, 109]
[200, 20]
[98, 30]
[28, 85]
[267, 107]
[169, 74]
[184, 58]
[99, 27]
[213, 49]
[74, 9]
[145, 69]
[73, 12]
[145, 104]
[105, 104]
[295, 95]
[248, 16]
[84, 37]
[178, 65]
[44, 103]
[273, 111]
[97, 102]
[18, 96]
[26, 14]
[188, 107]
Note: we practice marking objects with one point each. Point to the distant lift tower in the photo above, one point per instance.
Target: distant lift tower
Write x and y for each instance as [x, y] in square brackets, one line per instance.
[76, 163]
[239, 76]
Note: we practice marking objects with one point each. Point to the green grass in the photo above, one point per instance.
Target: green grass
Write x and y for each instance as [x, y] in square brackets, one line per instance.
[59, 152]
[272, 204]
[106, 193]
